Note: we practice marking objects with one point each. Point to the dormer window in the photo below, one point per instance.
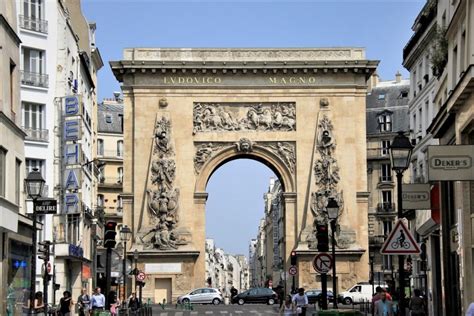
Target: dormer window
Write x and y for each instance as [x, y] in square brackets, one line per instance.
[381, 97]
[108, 118]
[385, 122]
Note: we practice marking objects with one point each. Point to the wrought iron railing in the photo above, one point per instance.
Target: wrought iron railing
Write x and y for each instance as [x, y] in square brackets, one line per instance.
[36, 134]
[34, 24]
[385, 207]
[378, 153]
[385, 178]
[34, 79]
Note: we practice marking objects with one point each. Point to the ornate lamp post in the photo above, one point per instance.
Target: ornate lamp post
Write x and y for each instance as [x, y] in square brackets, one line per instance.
[34, 184]
[333, 213]
[400, 156]
[125, 235]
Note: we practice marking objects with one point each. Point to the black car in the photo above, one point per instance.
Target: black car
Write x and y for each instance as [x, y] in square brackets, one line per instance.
[315, 295]
[256, 295]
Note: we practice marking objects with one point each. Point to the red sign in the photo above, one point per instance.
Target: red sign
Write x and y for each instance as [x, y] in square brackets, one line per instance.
[293, 270]
[86, 271]
[48, 268]
[141, 276]
[322, 263]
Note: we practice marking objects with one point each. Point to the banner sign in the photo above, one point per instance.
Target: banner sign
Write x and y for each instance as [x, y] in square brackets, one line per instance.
[450, 163]
[416, 196]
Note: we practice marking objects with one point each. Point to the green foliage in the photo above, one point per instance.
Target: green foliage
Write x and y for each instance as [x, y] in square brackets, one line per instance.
[439, 55]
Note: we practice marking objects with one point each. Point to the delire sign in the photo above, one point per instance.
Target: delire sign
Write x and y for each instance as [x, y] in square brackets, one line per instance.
[450, 163]
[46, 206]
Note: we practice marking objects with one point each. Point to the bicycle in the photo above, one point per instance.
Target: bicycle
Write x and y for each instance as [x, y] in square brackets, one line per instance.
[401, 244]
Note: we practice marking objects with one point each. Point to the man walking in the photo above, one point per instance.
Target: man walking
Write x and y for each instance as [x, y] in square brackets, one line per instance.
[84, 303]
[383, 307]
[98, 300]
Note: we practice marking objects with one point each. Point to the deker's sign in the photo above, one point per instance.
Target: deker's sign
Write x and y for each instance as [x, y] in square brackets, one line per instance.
[450, 163]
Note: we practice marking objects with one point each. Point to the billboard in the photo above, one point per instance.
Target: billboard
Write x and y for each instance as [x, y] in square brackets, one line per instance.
[450, 163]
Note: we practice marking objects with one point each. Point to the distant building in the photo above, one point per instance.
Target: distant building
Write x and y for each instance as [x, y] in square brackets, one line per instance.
[253, 263]
[387, 113]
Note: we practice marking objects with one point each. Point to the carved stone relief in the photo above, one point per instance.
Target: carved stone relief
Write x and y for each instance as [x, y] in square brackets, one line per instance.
[326, 175]
[209, 117]
[286, 151]
[162, 195]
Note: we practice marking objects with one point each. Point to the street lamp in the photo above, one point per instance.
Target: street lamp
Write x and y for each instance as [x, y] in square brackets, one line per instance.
[125, 235]
[333, 212]
[400, 156]
[34, 184]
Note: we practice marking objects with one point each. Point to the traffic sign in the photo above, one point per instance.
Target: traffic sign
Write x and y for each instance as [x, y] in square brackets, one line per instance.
[322, 263]
[293, 270]
[400, 241]
[141, 276]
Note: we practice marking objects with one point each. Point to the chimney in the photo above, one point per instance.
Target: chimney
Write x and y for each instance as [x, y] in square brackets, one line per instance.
[117, 96]
[398, 77]
[373, 81]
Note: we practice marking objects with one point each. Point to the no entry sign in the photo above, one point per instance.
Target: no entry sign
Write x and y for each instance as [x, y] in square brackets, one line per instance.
[322, 263]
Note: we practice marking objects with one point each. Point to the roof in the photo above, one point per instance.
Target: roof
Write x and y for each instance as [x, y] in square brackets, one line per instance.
[110, 118]
[388, 97]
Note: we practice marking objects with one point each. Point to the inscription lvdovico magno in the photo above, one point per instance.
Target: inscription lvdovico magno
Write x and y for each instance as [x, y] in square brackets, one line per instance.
[217, 80]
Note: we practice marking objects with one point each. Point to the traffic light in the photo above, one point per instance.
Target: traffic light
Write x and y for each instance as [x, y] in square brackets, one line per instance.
[322, 236]
[293, 258]
[43, 250]
[109, 235]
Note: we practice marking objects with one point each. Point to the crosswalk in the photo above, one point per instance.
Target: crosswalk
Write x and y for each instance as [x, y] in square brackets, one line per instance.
[227, 313]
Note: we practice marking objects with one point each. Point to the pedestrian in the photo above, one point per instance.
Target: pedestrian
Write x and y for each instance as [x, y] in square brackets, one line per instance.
[133, 305]
[281, 294]
[114, 303]
[84, 302]
[417, 304]
[383, 307]
[39, 304]
[65, 304]
[470, 310]
[287, 308]
[97, 300]
[301, 302]
[233, 292]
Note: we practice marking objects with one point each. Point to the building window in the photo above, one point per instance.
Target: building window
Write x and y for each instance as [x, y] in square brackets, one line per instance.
[387, 200]
[386, 172]
[18, 181]
[119, 174]
[3, 170]
[385, 122]
[119, 202]
[385, 147]
[73, 233]
[34, 67]
[100, 147]
[12, 86]
[108, 118]
[100, 200]
[33, 16]
[35, 164]
[33, 115]
[120, 148]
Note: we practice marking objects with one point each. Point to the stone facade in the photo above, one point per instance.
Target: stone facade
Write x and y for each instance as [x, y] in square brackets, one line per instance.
[216, 105]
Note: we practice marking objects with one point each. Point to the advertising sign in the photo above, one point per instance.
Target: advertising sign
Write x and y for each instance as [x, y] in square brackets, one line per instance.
[46, 206]
[416, 196]
[450, 163]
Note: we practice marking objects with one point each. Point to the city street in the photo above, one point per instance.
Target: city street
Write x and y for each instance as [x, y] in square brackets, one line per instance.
[228, 310]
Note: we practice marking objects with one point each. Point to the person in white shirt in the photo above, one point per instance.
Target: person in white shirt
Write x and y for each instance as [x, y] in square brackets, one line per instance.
[301, 302]
[98, 300]
[470, 310]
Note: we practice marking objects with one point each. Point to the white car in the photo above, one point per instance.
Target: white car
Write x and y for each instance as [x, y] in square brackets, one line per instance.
[358, 293]
[202, 296]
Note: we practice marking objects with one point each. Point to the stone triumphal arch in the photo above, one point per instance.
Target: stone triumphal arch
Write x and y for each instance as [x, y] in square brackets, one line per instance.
[188, 111]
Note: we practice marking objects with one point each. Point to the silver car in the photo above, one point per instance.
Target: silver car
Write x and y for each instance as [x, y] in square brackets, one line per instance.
[202, 296]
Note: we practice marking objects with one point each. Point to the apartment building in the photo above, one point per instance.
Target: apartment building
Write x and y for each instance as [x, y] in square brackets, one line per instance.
[58, 63]
[15, 226]
[386, 114]
[417, 59]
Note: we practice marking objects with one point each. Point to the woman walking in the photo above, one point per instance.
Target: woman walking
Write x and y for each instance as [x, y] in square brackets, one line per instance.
[287, 308]
[39, 304]
[65, 304]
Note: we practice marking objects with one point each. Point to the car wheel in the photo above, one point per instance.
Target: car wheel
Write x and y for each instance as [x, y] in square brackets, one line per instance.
[216, 301]
[347, 301]
[271, 301]
[241, 301]
[185, 301]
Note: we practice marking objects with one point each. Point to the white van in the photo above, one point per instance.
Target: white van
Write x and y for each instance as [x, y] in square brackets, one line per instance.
[361, 292]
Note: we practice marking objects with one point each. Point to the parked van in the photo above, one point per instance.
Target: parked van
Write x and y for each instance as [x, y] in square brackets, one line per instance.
[361, 292]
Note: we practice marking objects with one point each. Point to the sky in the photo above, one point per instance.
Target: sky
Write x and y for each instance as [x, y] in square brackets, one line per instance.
[383, 27]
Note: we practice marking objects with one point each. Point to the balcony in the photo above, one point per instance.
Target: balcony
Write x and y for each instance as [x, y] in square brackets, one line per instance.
[378, 153]
[110, 154]
[34, 79]
[376, 241]
[34, 24]
[39, 135]
[386, 209]
[110, 183]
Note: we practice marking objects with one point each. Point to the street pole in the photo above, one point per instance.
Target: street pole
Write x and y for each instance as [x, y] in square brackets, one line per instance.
[124, 267]
[108, 270]
[33, 262]
[372, 277]
[324, 291]
[401, 258]
[334, 285]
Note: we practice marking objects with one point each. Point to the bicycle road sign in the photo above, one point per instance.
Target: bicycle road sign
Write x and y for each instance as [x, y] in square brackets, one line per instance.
[400, 241]
[322, 263]
[293, 270]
